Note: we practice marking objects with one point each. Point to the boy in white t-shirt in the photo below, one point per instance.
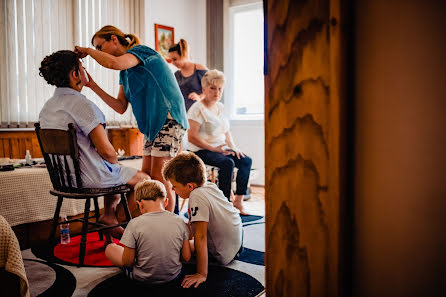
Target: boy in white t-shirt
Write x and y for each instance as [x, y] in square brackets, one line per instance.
[154, 241]
[216, 223]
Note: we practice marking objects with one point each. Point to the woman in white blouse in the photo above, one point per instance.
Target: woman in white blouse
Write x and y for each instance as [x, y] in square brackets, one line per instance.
[209, 137]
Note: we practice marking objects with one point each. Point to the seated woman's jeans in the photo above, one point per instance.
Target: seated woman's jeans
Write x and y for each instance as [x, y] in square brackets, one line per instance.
[226, 166]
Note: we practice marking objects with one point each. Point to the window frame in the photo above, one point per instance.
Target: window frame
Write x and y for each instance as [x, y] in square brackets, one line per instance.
[229, 67]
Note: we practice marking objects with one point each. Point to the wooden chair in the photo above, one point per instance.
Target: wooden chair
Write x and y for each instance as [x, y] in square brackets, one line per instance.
[60, 149]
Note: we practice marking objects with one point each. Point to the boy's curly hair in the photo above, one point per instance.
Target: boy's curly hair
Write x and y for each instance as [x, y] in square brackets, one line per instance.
[56, 68]
[185, 168]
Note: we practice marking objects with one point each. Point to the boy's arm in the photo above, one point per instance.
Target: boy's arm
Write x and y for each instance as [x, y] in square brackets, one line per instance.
[103, 146]
[185, 251]
[191, 234]
[128, 256]
[201, 250]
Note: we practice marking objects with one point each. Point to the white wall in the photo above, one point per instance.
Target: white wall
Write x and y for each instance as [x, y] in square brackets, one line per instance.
[249, 136]
[187, 17]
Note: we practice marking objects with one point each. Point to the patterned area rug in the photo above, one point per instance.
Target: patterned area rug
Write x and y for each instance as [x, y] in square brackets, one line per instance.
[49, 275]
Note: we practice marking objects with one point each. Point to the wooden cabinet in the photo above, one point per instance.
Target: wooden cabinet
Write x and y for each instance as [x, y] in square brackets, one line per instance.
[15, 143]
[128, 139]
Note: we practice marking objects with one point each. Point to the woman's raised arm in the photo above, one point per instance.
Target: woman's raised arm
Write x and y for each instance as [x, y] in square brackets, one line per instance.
[118, 104]
[123, 62]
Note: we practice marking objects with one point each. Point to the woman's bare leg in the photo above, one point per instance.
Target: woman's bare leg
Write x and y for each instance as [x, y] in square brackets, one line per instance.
[147, 165]
[157, 167]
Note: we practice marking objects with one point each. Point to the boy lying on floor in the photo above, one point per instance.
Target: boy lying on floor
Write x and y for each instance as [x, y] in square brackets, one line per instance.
[216, 223]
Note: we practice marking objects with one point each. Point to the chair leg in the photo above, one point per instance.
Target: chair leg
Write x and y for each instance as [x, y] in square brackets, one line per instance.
[56, 217]
[126, 207]
[96, 213]
[84, 233]
[213, 177]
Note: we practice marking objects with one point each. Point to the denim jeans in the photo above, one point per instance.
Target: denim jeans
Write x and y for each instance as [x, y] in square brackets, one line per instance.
[226, 164]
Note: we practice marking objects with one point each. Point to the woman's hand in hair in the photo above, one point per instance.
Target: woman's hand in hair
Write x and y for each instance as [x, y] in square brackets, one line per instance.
[81, 51]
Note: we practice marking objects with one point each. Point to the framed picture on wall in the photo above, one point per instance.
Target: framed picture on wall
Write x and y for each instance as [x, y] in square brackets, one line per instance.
[164, 39]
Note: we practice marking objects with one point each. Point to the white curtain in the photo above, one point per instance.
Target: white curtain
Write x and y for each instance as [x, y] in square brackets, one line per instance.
[33, 29]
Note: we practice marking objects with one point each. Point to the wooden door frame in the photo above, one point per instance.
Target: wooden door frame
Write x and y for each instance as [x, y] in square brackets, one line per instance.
[339, 141]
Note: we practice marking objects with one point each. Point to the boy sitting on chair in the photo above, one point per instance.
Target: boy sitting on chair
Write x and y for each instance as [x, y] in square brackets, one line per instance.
[154, 241]
[216, 223]
[98, 162]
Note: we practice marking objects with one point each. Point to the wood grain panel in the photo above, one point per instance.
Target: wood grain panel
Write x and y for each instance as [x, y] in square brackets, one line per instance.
[135, 142]
[128, 139]
[6, 148]
[302, 134]
[14, 144]
[119, 139]
[2, 150]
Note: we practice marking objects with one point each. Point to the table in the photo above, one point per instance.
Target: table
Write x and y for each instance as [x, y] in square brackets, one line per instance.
[25, 197]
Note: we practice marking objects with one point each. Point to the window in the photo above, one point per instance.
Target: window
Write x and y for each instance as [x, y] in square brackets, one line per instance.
[33, 29]
[245, 92]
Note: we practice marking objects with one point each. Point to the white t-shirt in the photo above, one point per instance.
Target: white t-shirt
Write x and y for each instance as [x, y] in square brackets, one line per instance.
[224, 234]
[213, 126]
[158, 238]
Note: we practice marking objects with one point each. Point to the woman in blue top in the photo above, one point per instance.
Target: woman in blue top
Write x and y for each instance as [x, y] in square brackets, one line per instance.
[147, 82]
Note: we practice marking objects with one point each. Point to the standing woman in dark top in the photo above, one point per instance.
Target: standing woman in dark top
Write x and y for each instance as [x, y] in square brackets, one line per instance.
[189, 74]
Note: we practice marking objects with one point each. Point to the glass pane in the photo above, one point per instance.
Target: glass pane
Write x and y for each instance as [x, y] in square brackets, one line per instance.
[248, 62]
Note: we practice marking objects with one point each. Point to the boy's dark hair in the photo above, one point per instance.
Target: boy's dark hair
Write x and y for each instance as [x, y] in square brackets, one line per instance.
[185, 168]
[56, 68]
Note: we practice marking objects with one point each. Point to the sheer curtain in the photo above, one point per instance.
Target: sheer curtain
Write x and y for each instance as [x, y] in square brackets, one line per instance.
[33, 29]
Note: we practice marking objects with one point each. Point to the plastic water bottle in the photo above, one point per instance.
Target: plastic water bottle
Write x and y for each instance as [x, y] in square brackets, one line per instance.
[28, 159]
[64, 231]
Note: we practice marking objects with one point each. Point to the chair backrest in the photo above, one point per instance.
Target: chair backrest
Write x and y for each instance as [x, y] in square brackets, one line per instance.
[56, 146]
